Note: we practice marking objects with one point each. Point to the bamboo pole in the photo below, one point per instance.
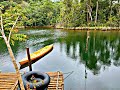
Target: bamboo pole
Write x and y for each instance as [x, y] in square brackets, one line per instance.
[12, 56]
[12, 29]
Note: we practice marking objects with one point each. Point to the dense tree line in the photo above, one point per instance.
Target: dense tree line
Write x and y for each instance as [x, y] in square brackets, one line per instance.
[70, 13]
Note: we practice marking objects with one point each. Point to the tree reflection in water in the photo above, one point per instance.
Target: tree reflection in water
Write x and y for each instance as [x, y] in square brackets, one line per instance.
[95, 49]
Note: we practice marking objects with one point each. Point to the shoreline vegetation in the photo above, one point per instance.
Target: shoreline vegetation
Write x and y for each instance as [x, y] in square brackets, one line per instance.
[74, 28]
[92, 28]
[62, 14]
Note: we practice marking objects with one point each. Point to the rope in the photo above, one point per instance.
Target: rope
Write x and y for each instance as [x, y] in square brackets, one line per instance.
[69, 73]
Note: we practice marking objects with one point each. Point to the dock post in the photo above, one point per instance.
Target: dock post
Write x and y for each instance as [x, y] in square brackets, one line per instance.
[29, 63]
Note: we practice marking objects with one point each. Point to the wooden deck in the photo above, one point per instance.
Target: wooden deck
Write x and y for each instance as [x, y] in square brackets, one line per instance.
[57, 81]
[9, 81]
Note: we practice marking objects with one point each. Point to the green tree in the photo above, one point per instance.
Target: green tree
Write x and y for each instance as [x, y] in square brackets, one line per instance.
[40, 13]
[10, 15]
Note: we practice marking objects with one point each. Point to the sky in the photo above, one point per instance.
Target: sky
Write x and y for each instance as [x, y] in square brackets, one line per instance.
[55, 0]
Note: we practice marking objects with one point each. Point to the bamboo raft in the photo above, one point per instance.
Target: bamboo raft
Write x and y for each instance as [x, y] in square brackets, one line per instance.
[56, 81]
[9, 81]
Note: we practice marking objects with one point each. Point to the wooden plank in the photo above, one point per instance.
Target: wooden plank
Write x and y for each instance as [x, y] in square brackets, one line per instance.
[8, 78]
[5, 88]
[54, 87]
[8, 74]
[14, 86]
[54, 73]
[6, 85]
[8, 81]
[56, 82]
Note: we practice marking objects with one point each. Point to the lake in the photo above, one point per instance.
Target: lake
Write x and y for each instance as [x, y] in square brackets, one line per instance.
[90, 58]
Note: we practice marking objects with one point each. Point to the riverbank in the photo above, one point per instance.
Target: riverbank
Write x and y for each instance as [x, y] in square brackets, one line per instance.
[28, 27]
[75, 28]
[48, 26]
[91, 28]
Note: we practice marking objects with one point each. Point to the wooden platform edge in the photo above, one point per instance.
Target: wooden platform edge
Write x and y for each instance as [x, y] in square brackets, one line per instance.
[57, 81]
[10, 81]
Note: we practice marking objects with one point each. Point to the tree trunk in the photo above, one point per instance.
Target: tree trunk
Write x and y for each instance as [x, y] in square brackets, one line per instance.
[12, 56]
[90, 15]
[96, 12]
[110, 11]
[14, 63]
[110, 7]
[89, 10]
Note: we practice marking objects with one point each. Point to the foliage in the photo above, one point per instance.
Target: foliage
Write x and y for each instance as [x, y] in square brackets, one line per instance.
[11, 12]
[68, 13]
[41, 13]
[113, 21]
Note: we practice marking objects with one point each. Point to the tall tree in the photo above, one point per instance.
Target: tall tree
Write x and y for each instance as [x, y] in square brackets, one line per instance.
[89, 9]
[11, 55]
[111, 7]
[11, 16]
[96, 12]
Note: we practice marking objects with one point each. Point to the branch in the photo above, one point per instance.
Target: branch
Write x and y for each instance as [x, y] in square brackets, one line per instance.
[12, 29]
[8, 18]
[1, 36]
[1, 25]
[2, 30]
[89, 10]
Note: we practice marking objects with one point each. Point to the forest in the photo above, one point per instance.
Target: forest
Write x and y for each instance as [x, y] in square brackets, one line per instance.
[62, 13]
[80, 51]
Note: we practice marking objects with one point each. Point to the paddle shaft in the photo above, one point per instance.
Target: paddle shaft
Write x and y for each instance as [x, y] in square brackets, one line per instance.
[29, 63]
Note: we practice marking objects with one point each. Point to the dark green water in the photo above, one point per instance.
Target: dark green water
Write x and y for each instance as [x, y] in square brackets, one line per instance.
[94, 57]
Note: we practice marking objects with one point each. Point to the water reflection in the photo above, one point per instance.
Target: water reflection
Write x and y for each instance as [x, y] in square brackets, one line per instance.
[96, 49]
[93, 56]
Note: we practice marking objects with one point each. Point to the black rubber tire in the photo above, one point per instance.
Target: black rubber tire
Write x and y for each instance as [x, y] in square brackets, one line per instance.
[39, 85]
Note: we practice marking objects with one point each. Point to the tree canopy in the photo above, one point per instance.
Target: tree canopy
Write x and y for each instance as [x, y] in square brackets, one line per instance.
[12, 15]
[69, 13]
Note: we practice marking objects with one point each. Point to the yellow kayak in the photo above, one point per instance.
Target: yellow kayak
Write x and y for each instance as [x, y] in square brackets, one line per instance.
[37, 55]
